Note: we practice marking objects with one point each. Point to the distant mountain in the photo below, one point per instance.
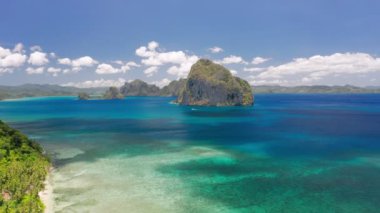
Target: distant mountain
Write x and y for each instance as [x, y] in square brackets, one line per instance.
[173, 88]
[139, 88]
[34, 90]
[113, 93]
[211, 84]
[313, 89]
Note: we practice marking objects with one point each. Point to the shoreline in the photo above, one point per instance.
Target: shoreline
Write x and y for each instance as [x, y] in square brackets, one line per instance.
[46, 195]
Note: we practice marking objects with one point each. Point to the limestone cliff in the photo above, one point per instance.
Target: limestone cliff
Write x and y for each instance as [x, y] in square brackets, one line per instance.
[211, 84]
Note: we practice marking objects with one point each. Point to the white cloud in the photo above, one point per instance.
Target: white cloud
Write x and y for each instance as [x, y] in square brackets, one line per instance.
[19, 48]
[4, 52]
[152, 45]
[11, 59]
[128, 66]
[109, 69]
[234, 72]
[162, 82]
[54, 71]
[79, 63]
[97, 83]
[64, 61]
[338, 68]
[36, 48]
[178, 59]
[85, 61]
[149, 72]
[38, 70]
[183, 69]
[119, 62]
[215, 49]
[253, 69]
[232, 59]
[259, 60]
[106, 69]
[317, 67]
[38, 58]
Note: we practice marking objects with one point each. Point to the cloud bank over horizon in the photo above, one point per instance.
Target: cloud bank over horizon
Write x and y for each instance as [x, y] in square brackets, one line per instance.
[155, 64]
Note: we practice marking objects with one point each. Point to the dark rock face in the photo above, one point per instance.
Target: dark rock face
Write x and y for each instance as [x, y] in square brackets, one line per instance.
[83, 96]
[139, 88]
[113, 93]
[174, 88]
[211, 84]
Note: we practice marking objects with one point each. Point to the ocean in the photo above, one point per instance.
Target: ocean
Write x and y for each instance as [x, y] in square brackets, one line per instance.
[287, 153]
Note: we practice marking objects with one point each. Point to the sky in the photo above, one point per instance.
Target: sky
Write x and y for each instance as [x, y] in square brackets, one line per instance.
[106, 43]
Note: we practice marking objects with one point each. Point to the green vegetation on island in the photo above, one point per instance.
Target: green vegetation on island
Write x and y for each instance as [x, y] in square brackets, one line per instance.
[37, 90]
[113, 93]
[173, 88]
[211, 84]
[139, 88]
[83, 96]
[23, 169]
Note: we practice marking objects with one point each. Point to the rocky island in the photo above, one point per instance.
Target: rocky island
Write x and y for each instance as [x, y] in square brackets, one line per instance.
[211, 84]
[113, 93]
[139, 88]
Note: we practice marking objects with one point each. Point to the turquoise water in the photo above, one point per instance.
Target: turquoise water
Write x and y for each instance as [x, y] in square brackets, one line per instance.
[288, 153]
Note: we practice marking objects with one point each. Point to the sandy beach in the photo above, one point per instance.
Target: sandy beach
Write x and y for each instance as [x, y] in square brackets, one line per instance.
[47, 194]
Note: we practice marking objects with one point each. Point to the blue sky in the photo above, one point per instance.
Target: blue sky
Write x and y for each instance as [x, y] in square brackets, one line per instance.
[297, 42]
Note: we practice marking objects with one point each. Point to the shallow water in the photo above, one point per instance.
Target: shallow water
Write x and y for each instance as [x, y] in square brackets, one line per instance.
[288, 153]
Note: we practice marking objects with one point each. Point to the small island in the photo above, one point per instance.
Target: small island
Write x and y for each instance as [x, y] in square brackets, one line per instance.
[211, 84]
[139, 88]
[83, 96]
[113, 93]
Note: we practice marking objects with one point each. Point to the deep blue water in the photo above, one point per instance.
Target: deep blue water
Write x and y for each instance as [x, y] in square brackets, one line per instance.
[287, 153]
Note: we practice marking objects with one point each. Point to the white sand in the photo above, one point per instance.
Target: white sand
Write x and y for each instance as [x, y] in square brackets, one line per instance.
[47, 194]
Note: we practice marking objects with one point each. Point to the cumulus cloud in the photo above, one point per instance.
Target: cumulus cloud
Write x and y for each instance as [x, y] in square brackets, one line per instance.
[54, 71]
[180, 61]
[150, 71]
[64, 61]
[259, 60]
[183, 69]
[106, 69]
[162, 82]
[128, 66]
[11, 59]
[34, 71]
[338, 68]
[36, 48]
[85, 61]
[19, 48]
[109, 69]
[4, 52]
[317, 67]
[215, 49]
[38, 58]
[79, 63]
[232, 59]
[97, 83]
